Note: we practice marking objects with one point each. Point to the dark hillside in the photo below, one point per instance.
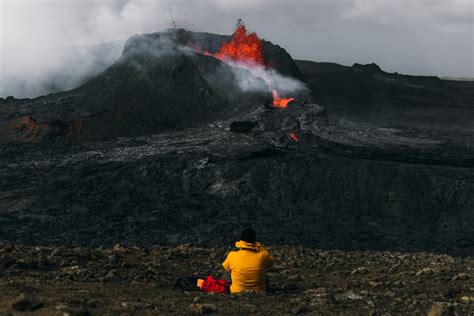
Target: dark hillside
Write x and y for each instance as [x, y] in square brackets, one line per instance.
[367, 93]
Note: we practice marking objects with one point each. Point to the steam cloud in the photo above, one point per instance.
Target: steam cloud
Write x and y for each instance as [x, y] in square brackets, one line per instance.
[51, 45]
[276, 81]
[34, 72]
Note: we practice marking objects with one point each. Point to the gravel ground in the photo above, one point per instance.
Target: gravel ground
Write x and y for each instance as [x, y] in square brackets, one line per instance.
[121, 281]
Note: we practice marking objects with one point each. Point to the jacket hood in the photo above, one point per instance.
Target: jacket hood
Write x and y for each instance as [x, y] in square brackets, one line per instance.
[247, 245]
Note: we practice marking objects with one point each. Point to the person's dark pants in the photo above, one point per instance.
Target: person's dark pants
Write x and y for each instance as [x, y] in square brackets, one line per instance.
[226, 277]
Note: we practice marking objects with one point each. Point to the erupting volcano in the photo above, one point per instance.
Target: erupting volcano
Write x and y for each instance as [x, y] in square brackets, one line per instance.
[246, 50]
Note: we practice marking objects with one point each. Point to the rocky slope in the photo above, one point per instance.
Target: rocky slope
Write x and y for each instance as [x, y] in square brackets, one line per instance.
[369, 94]
[337, 185]
[304, 281]
[140, 94]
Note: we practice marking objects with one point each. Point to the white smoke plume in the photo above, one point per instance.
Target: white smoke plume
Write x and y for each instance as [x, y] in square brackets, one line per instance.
[275, 81]
[30, 72]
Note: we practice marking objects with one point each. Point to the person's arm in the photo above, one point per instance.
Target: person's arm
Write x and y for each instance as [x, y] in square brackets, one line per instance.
[269, 260]
[226, 264]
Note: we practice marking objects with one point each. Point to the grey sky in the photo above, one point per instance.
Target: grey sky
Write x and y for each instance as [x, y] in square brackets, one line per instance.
[428, 37]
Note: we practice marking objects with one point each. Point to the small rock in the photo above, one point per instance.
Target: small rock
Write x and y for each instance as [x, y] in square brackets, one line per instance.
[7, 246]
[26, 304]
[298, 310]
[184, 248]
[295, 278]
[61, 307]
[461, 276]
[319, 290]
[352, 296]
[425, 271]
[466, 299]
[389, 293]
[202, 308]
[71, 270]
[109, 275]
[440, 309]
[360, 270]
[93, 303]
[323, 299]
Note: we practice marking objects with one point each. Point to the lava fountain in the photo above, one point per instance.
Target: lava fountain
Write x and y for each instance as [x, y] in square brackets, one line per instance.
[246, 50]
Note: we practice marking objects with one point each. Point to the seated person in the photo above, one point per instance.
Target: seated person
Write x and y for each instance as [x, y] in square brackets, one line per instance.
[248, 264]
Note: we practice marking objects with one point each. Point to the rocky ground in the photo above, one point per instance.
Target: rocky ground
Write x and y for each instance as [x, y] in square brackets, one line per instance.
[120, 159]
[340, 186]
[118, 280]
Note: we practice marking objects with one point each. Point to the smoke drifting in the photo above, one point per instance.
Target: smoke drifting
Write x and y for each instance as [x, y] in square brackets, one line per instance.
[32, 72]
[38, 39]
[275, 81]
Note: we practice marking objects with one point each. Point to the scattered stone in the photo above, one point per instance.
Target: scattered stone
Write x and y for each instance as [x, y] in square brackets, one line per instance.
[360, 270]
[298, 310]
[322, 293]
[319, 290]
[295, 278]
[425, 271]
[351, 295]
[440, 309]
[202, 308]
[109, 275]
[23, 303]
[389, 293]
[466, 299]
[8, 246]
[93, 303]
[461, 276]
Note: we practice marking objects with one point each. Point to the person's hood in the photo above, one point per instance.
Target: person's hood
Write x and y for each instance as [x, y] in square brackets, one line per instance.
[248, 245]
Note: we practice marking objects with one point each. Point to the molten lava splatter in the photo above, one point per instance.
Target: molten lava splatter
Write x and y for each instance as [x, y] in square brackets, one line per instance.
[280, 102]
[244, 48]
[294, 137]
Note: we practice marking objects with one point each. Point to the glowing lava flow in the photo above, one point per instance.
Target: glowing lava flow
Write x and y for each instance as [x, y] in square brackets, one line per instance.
[294, 137]
[246, 50]
[280, 103]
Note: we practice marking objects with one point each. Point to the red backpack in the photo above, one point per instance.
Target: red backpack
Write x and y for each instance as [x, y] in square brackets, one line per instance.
[209, 284]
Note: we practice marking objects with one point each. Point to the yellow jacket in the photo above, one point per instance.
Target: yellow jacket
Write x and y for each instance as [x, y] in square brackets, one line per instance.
[247, 267]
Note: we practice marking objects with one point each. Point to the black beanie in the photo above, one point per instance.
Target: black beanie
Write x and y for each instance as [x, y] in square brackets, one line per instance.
[248, 235]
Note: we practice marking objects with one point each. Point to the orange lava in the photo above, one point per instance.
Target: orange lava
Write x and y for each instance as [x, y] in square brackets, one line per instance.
[294, 137]
[244, 48]
[280, 102]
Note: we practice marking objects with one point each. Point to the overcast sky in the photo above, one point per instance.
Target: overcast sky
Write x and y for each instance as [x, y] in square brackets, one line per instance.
[428, 37]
